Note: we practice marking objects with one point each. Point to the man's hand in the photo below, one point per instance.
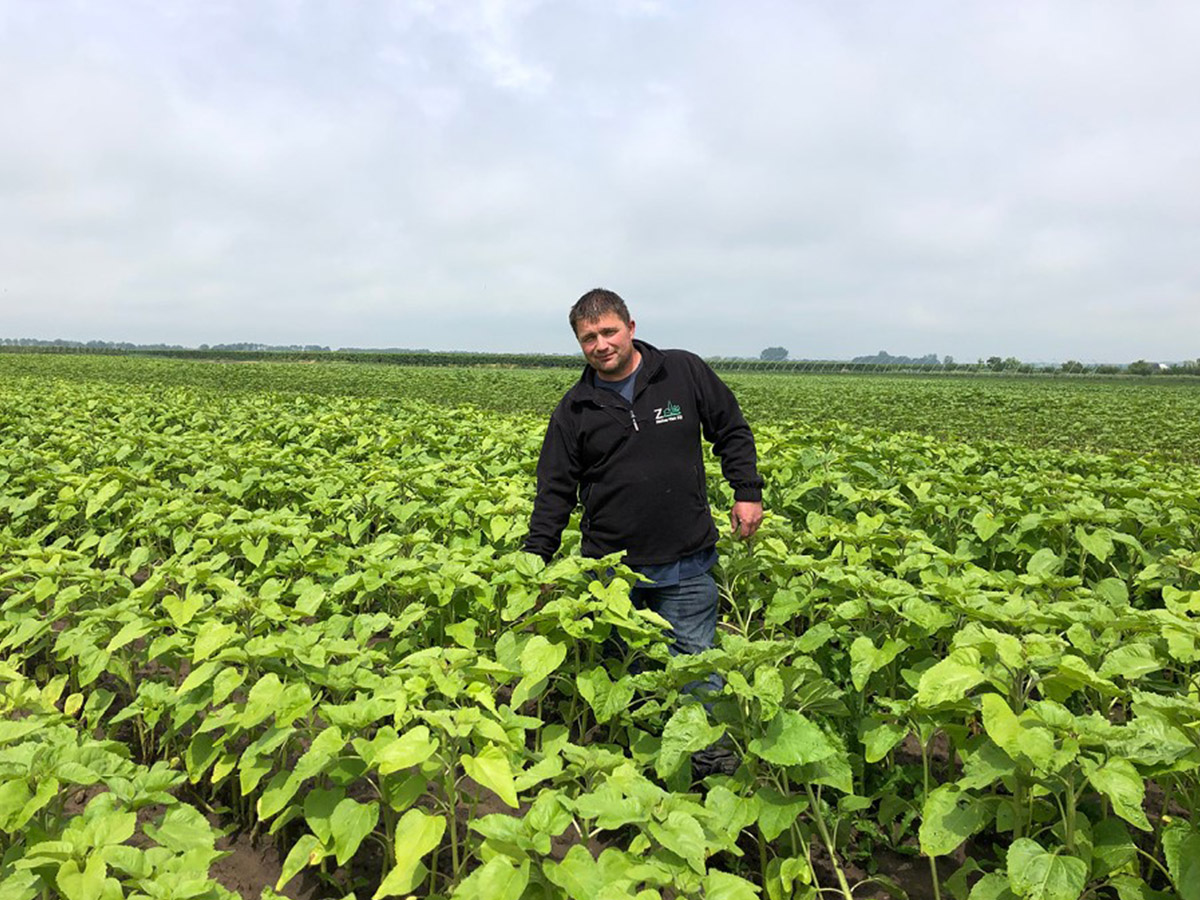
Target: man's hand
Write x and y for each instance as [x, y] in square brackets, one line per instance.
[745, 517]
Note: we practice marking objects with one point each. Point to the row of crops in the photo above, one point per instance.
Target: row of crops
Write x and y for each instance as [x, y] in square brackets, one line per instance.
[304, 616]
[1159, 419]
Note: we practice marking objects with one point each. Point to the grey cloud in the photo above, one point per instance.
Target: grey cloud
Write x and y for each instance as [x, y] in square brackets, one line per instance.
[840, 178]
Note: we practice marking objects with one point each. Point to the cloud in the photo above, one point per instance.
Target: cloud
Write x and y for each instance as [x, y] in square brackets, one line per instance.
[920, 177]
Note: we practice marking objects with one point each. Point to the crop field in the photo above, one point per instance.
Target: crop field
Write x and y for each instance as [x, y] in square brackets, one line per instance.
[277, 615]
[1157, 417]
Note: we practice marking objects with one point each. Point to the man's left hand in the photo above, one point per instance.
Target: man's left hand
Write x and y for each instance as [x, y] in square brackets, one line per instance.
[745, 518]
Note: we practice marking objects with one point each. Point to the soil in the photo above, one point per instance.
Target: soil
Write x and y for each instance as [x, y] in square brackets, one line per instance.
[254, 864]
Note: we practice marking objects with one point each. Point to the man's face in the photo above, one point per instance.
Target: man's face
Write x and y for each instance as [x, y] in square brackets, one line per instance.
[607, 344]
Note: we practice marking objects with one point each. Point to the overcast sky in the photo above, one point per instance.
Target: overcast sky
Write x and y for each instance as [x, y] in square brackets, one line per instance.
[837, 177]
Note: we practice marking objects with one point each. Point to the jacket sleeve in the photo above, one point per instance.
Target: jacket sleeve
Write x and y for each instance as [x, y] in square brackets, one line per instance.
[557, 490]
[726, 429]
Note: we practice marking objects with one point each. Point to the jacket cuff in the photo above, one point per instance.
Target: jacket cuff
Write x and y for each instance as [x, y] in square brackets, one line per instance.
[747, 494]
[538, 551]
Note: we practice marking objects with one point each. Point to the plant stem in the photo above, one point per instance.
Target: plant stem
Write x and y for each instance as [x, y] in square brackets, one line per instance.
[933, 870]
[1070, 818]
[828, 842]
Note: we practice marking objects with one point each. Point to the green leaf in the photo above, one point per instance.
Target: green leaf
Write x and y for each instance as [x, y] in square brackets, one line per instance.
[949, 816]
[723, 886]
[417, 833]
[278, 792]
[211, 637]
[985, 525]
[733, 811]
[685, 732]
[578, 874]
[609, 807]
[1037, 875]
[1181, 846]
[1043, 563]
[777, 812]
[107, 491]
[82, 884]
[768, 690]
[992, 886]
[182, 830]
[862, 658]
[14, 794]
[118, 827]
[539, 659]
[950, 680]
[783, 874]
[463, 633]
[183, 611]
[255, 552]
[319, 805]
[879, 738]
[1120, 782]
[1130, 887]
[129, 633]
[605, 697]
[1130, 661]
[683, 836]
[350, 823]
[1099, 543]
[409, 749]
[1020, 738]
[1112, 848]
[13, 731]
[198, 676]
[129, 860]
[498, 879]
[307, 851]
[791, 739]
[262, 701]
[1112, 591]
[310, 599]
[491, 769]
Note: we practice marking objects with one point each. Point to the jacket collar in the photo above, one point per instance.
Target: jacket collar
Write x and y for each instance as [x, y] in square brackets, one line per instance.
[652, 362]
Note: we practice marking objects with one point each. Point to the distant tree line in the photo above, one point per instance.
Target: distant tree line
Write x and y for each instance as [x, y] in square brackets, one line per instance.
[771, 359]
[1009, 364]
[263, 348]
[883, 358]
[85, 345]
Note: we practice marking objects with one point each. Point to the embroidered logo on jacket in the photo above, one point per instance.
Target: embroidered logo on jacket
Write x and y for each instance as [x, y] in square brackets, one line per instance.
[668, 413]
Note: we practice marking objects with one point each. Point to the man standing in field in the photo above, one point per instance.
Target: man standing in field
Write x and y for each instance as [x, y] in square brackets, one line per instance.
[625, 441]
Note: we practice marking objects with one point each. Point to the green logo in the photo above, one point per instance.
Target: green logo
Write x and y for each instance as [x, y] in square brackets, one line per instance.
[669, 413]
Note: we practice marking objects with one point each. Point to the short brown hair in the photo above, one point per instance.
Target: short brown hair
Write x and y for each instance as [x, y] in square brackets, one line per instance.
[594, 304]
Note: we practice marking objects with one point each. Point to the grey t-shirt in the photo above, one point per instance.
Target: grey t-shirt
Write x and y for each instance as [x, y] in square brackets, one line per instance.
[624, 387]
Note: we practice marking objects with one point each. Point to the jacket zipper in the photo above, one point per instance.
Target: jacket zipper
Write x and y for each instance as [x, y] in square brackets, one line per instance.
[633, 418]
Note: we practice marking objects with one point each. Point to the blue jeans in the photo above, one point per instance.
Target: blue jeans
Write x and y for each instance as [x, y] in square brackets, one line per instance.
[691, 608]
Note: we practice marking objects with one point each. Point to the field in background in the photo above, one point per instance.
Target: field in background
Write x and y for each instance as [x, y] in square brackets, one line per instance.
[1161, 418]
[288, 601]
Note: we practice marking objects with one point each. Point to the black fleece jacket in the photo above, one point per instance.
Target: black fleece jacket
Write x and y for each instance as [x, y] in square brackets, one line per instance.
[639, 470]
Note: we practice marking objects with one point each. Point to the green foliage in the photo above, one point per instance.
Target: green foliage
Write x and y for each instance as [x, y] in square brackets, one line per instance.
[284, 594]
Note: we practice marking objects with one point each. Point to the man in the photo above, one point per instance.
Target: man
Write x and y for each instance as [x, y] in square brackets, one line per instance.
[625, 441]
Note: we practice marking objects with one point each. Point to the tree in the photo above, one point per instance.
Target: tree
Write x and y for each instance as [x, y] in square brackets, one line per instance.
[774, 354]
